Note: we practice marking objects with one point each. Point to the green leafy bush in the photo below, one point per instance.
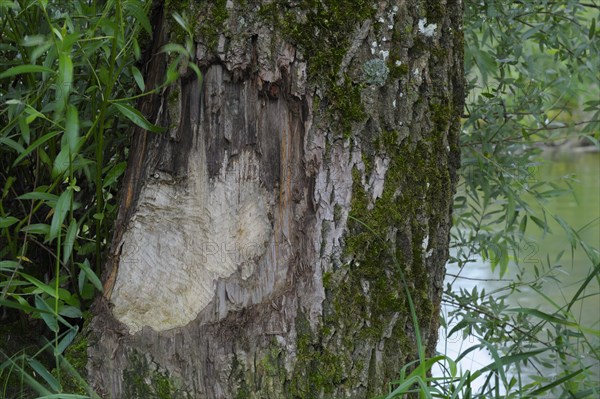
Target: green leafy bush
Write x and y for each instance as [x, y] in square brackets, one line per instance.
[69, 81]
[532, 70]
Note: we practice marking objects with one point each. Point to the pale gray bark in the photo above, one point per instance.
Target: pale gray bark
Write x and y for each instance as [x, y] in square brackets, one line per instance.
[238, 266]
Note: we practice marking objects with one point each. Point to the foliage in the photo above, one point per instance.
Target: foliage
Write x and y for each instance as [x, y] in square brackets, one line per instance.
[532, 78]
[70, 76]
[532, 73]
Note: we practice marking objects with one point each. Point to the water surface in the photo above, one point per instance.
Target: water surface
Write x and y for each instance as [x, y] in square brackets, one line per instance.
[540, 250]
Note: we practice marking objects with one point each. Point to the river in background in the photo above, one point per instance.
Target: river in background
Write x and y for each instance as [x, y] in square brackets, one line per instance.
[582, 212]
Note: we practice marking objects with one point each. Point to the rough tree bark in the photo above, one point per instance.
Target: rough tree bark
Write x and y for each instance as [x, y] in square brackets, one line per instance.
[261, 241]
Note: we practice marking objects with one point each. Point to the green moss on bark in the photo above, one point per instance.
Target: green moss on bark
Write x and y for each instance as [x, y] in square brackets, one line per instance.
[397, 71]
[386, 239]
[238, 379]
[143, 379]
[434, 11]
[318, 370]
[76, 355]
[213, 27]
[321, 29]
[206, 19]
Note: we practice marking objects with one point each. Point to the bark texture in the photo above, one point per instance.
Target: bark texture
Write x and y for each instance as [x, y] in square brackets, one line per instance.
[264, 243]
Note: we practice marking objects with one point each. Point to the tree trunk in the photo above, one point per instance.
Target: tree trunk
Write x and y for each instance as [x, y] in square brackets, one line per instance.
[265, 243]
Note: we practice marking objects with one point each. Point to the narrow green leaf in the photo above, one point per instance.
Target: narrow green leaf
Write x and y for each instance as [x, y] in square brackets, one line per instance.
[181, 21]
[98, 216]
[556, 383]
[541, 224]
[197, 71]
[32, 382]
[61, 163]
[9, 265]
[65, 73]
[504, 259]
[136, 49]
[33, 40]
[174, 48]
[42, 287]
[39, 196]
[7, 221]
[74, 373]
[139, 14]
[24, 127]
[69, 40]
[14, 283]
[24, 307]
[172, 74]
[20, 69]
[12, 144]
[85, 266]
[571, 234]
[38, 52]
[70, 311]
[60, 211]
[464, 353]
[34, 145]
[50, 319]
[554, 320]
[8, 4]
[139, 79]
[510, 209]
[459, 326]
[37, 228]
[72, 128]
[523, 225]
[532, 31]
[81, 280]
[591, 252]
[70, 238]
[66, 341]
[593, 275]
[33, 114]
[508, 360]
[7, 185]
[44, 373]
[136, 117]
[67, 297]
[586, 393]
[592, 29]
[114, 173]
